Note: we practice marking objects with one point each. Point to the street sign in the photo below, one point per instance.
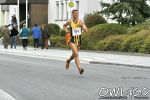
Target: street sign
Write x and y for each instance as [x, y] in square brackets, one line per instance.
[71, 4]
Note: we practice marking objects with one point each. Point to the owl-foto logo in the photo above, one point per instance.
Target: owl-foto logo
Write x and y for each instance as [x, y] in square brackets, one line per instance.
[71, 4]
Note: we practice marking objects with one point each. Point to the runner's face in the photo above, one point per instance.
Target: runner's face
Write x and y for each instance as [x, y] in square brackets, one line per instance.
[75, 14]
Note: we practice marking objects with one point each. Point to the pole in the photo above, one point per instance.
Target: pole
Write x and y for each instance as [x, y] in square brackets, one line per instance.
[18, 16]
[27, 13]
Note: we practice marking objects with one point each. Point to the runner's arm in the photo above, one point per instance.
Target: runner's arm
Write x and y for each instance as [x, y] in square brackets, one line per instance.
[65, 26]
[85, 29]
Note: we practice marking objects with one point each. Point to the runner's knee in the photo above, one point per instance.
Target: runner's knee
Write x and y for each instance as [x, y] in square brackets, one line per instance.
[76, 54]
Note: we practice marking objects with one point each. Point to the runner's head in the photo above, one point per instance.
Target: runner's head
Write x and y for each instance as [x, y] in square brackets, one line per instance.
[75, 14]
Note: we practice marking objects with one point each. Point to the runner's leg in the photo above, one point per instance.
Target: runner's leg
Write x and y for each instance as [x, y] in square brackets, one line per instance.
[76, 55]
[70, 59]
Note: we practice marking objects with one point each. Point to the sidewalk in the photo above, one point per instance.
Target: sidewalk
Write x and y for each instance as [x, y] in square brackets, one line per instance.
[85, 57]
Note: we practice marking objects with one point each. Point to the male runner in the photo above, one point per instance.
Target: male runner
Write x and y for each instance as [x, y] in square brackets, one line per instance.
[73, 38]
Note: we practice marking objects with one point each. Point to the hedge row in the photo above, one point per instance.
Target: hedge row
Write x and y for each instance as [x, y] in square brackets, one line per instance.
[99, 32]
[139, 42]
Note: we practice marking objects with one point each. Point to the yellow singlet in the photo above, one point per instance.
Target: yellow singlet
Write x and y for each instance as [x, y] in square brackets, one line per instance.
[76, 32]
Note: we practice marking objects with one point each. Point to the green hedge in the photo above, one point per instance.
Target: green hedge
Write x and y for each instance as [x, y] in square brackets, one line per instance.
[135, 42]
[139, 42]
[31, 40]
[100, 32]
[115, 37]
[62, 32]
[143, 26]
[111, 43]
[53, 29]
[0, 35]
[58, 42]
[146, 46]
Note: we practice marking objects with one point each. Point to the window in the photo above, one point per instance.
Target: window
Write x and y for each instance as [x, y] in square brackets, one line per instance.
[77, 4]
[66, 10]
[62, 10]
[57, 10]
[4, 7]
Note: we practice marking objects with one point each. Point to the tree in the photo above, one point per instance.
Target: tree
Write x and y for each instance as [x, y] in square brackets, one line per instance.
[129, 12]
[93, 19]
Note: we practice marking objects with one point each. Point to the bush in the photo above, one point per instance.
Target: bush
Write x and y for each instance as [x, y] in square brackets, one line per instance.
[139, 42]
[53, 28]
[134, 42]
[113, 37]
[30, 40]
[0, 35]
[62, 32]
[1, 32]
[111, 43]
[99, 32]
[144, 26]
[146, 46]
[94, 19]
[58, 42]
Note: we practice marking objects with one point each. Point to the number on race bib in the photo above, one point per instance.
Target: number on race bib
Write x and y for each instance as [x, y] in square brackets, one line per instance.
[76, 31]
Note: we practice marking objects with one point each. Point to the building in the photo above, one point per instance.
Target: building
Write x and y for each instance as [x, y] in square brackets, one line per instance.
[6, 12]
[49, 11]
[38, 11]
[59, 10]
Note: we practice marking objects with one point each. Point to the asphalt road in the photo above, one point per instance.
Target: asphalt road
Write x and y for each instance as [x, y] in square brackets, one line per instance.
[27, 78]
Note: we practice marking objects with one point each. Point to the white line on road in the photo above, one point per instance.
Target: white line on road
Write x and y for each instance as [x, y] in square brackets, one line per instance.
[5, 96]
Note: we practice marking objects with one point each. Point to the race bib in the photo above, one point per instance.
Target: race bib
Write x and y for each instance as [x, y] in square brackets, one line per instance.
[76, 31]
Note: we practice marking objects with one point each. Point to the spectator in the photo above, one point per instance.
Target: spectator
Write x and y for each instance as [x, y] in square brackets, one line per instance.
[5, 33]
[13, 37]
[36, 33]
[45, 37]
[24, 34]
[14, 21]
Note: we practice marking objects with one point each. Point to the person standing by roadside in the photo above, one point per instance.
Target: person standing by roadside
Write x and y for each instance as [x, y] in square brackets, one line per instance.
[36, 33]
[45, 37]
[24, 34]
[5, 33]
[13, 37]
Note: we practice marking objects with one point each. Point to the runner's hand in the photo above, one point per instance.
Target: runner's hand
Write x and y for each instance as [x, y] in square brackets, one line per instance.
[67, 31]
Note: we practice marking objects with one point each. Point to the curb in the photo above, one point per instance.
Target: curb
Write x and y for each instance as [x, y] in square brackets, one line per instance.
[43, 56]
[85, 61]
[119, 64]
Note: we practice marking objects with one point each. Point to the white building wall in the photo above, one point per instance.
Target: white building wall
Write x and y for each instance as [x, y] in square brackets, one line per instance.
[55, 14]
[12, 11]
[85, 6]
[93, 5]
[0, 16]
[5, 16]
